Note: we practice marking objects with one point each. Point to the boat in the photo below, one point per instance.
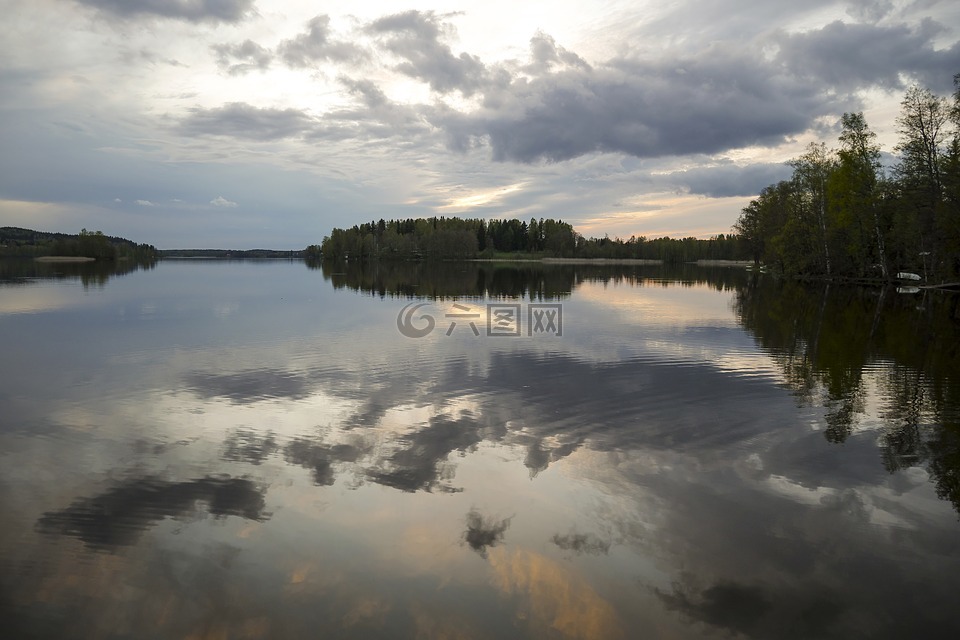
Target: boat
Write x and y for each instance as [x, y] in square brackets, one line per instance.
[906, 275]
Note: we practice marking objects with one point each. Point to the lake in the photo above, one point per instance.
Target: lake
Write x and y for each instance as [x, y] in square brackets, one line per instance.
[215, 449]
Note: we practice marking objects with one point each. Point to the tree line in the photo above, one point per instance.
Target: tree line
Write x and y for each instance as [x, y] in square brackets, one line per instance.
[446, 238]
[15, 241]
[459, 238]
[841, 214]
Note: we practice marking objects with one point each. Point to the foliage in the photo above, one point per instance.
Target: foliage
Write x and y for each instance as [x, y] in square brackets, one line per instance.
[840, 216]
[235, 254]
[458, 238]
[15, 241]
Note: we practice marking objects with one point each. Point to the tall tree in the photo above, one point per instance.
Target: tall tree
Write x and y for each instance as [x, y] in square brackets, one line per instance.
[948, 222]
[922, 128]
[854, 193]
[810, 172]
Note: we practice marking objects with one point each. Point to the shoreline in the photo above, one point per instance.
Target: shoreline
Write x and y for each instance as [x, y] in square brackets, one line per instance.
[723, 263]
[639, 261]
[64, 259]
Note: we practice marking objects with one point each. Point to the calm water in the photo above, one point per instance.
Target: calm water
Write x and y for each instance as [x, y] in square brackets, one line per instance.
[254, 450]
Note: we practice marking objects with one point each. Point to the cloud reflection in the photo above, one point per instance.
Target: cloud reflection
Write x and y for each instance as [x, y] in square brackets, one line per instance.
[320, 458]
[118, 516]
[552, 598]
[483, 532]
[581, 543]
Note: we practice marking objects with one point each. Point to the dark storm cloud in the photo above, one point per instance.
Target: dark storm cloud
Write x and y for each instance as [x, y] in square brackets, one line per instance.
[118, 516]
[237, 59]
[850, 56]
[718, 100]
[189, 10]
[725, 181]
[242, 120]
[415, 37]
[315, 45]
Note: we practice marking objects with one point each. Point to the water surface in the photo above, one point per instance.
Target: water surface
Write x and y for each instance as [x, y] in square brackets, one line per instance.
[254, 449]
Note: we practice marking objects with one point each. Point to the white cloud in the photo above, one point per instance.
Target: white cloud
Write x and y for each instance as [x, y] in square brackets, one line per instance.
[144, 203]
[220, 201]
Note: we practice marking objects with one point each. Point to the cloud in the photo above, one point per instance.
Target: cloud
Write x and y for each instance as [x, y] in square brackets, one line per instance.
[557, 106]
[869, 10]
[220, 201]
[719, 99]
[242, 120]
[546, 55]
[142, 203]
[376, 117]
[237, 59]
[415, 36]
[315, 46]
[727, 180]
[188, 10]
[849, 56]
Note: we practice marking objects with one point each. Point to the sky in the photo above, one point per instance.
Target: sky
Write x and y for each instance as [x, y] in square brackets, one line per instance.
[265, 124]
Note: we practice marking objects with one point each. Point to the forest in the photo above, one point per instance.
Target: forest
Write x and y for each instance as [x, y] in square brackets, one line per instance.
[15, 241]
[458, 238]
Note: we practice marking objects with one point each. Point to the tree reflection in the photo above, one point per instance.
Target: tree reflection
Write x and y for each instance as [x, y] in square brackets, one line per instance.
[531, 280]
[21, 271]
[833, 344]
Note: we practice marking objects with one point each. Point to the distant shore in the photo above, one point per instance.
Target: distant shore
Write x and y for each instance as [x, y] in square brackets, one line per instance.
[64, 259]
[724, 263]
[600, 261]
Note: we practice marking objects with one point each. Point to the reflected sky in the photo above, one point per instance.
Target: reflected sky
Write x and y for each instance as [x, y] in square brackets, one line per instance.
[253, 450]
